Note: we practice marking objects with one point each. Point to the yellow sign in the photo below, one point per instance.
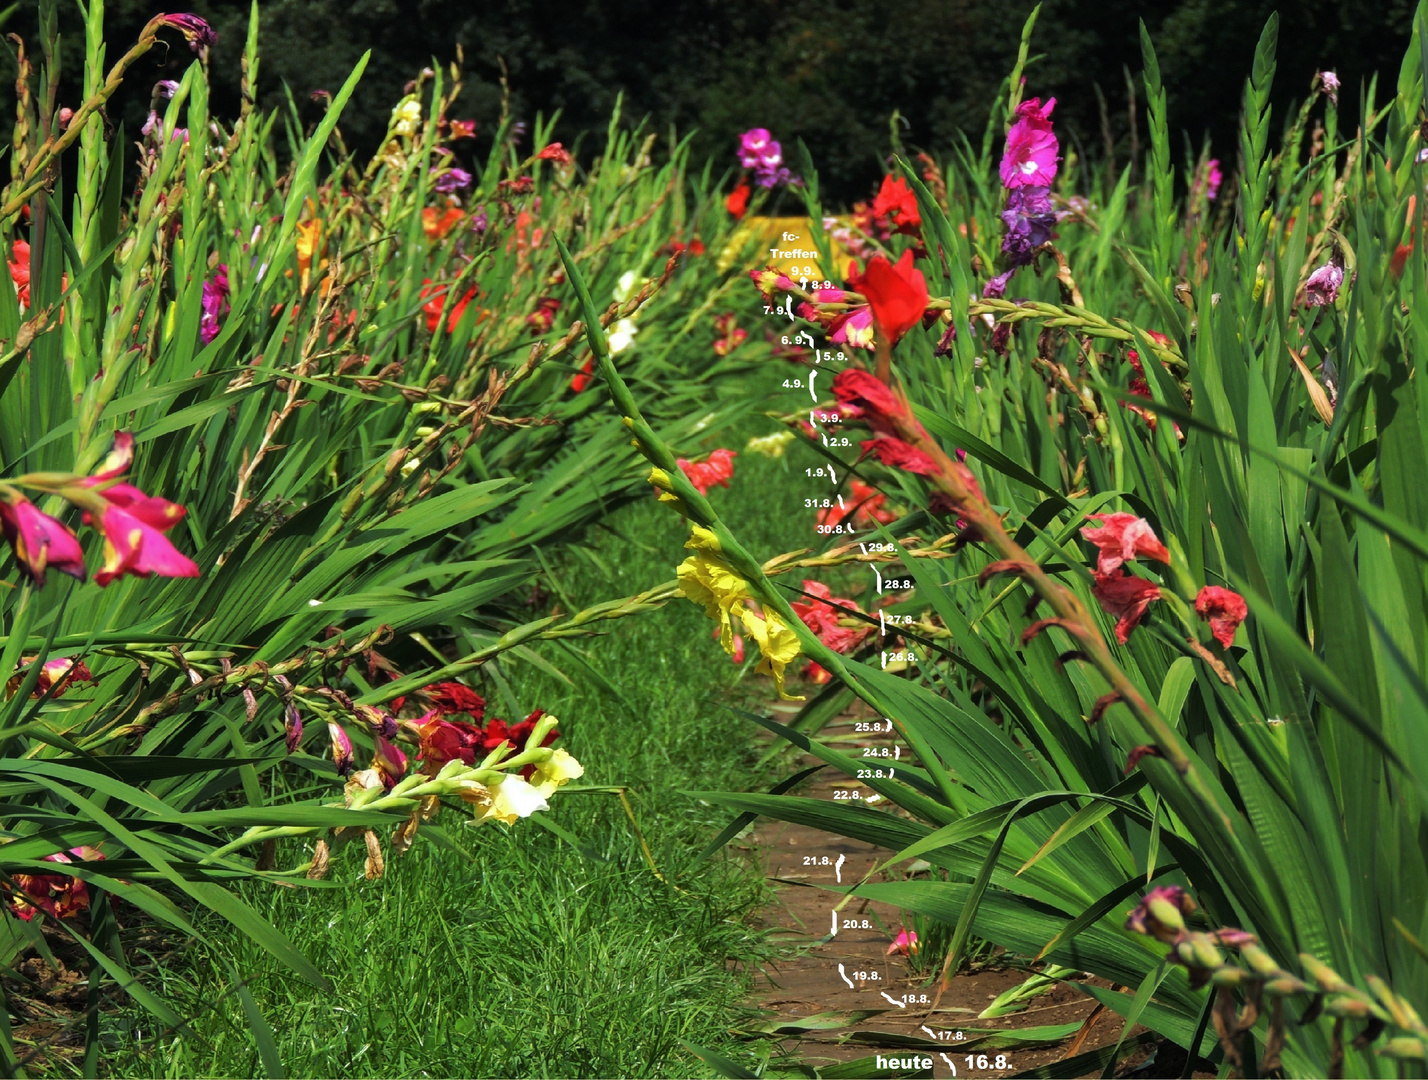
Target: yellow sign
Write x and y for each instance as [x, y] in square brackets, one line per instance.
[785, 243]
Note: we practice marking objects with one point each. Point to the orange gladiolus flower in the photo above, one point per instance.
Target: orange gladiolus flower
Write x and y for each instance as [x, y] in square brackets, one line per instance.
[436, 223]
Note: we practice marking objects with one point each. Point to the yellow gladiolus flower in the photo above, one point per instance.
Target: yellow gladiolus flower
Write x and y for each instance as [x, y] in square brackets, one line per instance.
[771, 446]
[556, 771]
[777, 644]
[309, 234]
[707, 581]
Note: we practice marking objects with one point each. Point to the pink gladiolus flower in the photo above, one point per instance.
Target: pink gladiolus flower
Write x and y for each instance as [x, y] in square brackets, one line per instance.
[132, 546]
[1329, 81]
[389, 762]
[821, 611]
[905, 944]
[1127, 597]
[463, 129]
[1122, 537]
[341, 748]
[1031, 150]
[1224, 610]
[1213, 179]
[292, 727]
[215, 304]
[40, 541]
[1322, 288]
[716, 469]
[853, 328]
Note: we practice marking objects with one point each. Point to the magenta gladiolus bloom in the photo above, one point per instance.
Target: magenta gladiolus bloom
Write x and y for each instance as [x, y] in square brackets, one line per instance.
[1031, 151]
[452, 180]
[292, 727]
[40, 541]
[132, 546]
[341, 748]
[215, 304]
[1213, 179]
[755, 146]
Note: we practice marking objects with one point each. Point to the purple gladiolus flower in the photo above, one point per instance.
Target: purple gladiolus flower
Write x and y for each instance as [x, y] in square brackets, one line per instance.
[453, 180]
[480, 222]
[292, 725]
[1322, 288]
[1031, 151]
[997, 287]
[215, 304]
[1029, 219]
[759, 151]
[1329, 80]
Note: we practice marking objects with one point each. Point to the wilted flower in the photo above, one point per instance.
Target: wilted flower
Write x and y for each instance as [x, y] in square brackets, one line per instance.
[341, 748]
[716, 469]
[39, 540]
[1122, 537]
[199, 34]
[897, 294]
[997, 287]
[292, 727]
[215, 304]
[448, 698]
[452, 180]
[1223, 609]
[1329, 82]
[1322, 288]
[1031, 150]
[1126, 597]
[389, 762]
[1141, 752]
[165, 89]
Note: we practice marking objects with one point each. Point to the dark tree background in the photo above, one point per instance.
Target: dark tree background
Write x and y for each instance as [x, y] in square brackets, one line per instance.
[832, 73]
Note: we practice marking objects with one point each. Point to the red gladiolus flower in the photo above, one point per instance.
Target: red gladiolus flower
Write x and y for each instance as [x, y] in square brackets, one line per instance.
[543, 318]
[896, 205]
[556, 153]
[20, 272]
[1126, 597]
[390, 763]
[730, 336]
[58, 895]
[581, 379]
[449, 698]
[896, 293]
[449, 740]
[40, 541]
[737, 202]
[717, 468]
[892, 451]
[821, 612]
[1224, 610]
[865, 504]
[1122, 537]
[863, 396]
[433, 306]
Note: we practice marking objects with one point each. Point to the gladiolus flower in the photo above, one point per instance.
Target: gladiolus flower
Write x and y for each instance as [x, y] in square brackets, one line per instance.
[1122, 537]
[556, 771]
[865, 505]
[767, 281]
[437, 223]
[1126, 597]
[1208, 180]
[215, 304]
[20, 271]
[897, 294]
[581, 379]
[716, 469]
[449, 698]
[292, 727]
[462, 129]
[896, 204]
[853, 328]
[309, 236]
[448, 740]
[1224, 610]
[770, 446]
[341, 748]
[898, 454]
[905, 944]
[1161, 913]
[511, 800]
[1029, 219]
[40, 541]
[1329, 81]
[705, 579]
[133, 546]
[556, 153]
[737, 201]
[1031, 150]
[199, 34]
[58, 895]
[406, 115]
[1322, 288]
[821, 612]
[756, 146]
[778, 646]
[452, 180]
[390, 763]
[433, 306]
[863, 396]
[730, 336]
[622, 336]
[543, 317]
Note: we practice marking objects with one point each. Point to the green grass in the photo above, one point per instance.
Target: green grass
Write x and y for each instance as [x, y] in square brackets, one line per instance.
[526, 956]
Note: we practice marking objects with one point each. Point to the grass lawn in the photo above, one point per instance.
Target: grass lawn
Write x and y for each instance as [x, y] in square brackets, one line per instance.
[521, 955]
